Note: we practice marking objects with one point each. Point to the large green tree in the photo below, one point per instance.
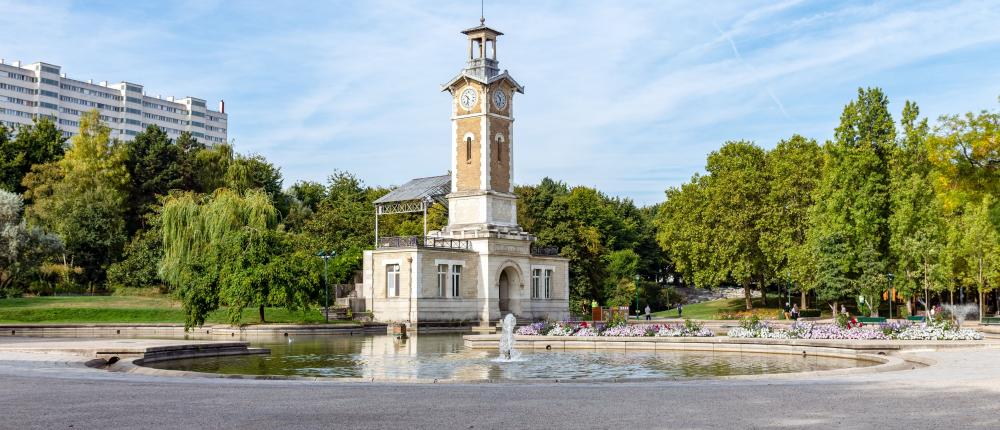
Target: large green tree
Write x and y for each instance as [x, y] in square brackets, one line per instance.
[83, 198]
[711, 227]
[917, 223]
[793, 171]
[154, 165]
[850, 217]
[38, 143]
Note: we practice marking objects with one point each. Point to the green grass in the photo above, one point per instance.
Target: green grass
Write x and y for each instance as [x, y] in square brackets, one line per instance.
[127, 309]
[710, 310]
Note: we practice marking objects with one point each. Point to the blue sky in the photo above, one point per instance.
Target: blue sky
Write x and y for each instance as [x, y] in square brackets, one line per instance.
[626, 96]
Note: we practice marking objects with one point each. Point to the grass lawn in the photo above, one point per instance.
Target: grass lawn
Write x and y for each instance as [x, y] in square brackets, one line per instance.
[127, 309]
[709, 310]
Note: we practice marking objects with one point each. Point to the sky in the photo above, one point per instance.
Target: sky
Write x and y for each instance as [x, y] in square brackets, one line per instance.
[625, 96]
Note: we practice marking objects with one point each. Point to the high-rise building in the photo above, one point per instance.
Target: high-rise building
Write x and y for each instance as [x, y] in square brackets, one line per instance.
[40, 89]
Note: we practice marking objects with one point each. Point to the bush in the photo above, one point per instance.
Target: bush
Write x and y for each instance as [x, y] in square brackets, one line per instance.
[809, 313]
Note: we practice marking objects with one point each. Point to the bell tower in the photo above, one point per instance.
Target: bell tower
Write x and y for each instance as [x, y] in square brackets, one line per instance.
[482, 125]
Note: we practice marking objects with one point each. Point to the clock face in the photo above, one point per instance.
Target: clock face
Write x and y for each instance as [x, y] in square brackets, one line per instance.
[468, 98]
[500, 99]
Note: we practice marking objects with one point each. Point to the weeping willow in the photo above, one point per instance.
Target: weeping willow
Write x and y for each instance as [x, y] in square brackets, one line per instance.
[194, 229]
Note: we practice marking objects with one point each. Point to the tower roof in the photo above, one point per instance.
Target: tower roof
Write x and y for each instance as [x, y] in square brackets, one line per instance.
[481, 28]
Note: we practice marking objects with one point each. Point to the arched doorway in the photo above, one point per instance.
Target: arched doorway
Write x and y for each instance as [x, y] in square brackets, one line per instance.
[504, 296]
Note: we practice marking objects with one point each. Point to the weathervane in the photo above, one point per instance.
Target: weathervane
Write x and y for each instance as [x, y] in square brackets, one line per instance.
[482, 12]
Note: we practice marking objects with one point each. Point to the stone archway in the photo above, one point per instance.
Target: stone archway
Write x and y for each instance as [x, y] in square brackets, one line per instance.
[509, 284]
[504, 292]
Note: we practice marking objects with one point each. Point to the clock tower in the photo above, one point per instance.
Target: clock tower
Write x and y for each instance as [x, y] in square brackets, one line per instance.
[482, 145]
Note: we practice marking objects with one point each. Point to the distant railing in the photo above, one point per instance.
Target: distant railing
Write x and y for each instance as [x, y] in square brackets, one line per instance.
[422, 242]
[545, 251]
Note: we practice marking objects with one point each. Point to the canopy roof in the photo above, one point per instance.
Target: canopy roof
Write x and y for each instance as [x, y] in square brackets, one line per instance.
[434, 187]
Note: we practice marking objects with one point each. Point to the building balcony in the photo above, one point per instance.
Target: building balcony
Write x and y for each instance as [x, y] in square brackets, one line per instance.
[393, 242]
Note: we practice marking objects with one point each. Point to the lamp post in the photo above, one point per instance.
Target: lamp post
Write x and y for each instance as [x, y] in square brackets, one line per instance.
[892, 295]
[637, 296]
[788, 288]
[326, 279]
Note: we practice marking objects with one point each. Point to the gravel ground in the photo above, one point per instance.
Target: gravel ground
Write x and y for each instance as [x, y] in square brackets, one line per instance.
[52, 392]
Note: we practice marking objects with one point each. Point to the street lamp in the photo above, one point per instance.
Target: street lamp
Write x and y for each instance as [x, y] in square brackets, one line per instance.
[788, 288]
[326, 279]
[637, 296]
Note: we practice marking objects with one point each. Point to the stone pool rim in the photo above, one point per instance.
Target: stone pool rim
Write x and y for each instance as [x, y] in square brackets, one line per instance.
[885, 361]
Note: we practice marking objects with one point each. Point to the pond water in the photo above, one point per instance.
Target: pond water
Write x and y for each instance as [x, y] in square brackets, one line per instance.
[443, 356]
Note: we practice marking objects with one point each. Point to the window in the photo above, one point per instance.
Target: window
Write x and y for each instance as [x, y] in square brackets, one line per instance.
[536, 280]
[468, 149]
[541, 283]
[392, 280]
[442, 280]
[499, 148]
[548, 283]
[456, 280]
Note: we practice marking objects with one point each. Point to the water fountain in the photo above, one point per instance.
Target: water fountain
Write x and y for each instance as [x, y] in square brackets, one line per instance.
[507, 351]
[961, 312]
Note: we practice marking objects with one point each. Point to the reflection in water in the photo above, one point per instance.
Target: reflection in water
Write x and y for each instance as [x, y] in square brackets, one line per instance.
[443, 356]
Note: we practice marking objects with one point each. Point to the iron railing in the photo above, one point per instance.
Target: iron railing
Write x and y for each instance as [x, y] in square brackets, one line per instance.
[544, 251]
[422, 242]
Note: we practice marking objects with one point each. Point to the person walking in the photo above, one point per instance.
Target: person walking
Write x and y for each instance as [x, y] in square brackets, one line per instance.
[648, 316]
[680, 310]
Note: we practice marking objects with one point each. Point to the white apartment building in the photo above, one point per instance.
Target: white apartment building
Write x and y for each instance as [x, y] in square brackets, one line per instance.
[40, 89]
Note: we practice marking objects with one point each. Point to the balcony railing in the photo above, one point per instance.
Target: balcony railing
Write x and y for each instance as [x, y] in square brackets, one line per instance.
[544, 251]
[422, 242]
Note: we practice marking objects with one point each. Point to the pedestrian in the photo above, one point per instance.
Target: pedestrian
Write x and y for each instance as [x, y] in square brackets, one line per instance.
[795, 312]
[788, 311]
[648, 316]
[680, 310]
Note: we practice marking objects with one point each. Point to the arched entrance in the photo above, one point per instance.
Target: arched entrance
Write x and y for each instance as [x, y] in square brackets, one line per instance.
[504, 296]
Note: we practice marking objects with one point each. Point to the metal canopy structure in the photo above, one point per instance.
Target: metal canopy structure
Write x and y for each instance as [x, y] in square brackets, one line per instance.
[414, 196]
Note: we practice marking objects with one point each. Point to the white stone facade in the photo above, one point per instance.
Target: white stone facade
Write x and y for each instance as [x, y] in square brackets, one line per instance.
[40, 89]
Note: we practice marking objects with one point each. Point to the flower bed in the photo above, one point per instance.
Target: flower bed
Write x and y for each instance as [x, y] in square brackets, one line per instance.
[688, 329]
[855, 331]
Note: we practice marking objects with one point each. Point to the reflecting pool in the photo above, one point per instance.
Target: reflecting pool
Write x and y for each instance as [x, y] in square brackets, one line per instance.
[443, 356]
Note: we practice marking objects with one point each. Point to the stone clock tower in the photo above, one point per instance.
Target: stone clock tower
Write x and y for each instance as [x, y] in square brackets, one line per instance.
[482, 140]
[482, 265]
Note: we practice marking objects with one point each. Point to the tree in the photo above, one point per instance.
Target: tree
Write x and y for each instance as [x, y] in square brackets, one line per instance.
[82, 198]
[138, 267]
[153, 163]
[793, 170]
[38, 143]
[22, 249]
[852, 207]
[965, 153]
[260, 268]
[198, 234]
[737, 189]
[978, 244]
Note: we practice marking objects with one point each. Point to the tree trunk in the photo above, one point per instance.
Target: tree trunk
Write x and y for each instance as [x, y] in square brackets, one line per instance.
[746, 294]
[982, 309]
[261, 310]
[951, 297]
[804, 300]
[763, 295]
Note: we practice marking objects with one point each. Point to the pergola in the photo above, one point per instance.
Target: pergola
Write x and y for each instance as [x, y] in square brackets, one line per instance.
[414, 196]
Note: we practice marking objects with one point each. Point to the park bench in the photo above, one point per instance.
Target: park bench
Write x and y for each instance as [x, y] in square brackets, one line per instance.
[915, 318]
[870, 320]
[990, 321]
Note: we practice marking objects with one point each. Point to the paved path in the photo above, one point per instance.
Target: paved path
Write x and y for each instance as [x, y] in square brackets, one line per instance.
[54, 391]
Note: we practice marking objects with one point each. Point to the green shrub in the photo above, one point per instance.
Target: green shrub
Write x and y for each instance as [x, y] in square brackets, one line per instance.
[749, 322]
